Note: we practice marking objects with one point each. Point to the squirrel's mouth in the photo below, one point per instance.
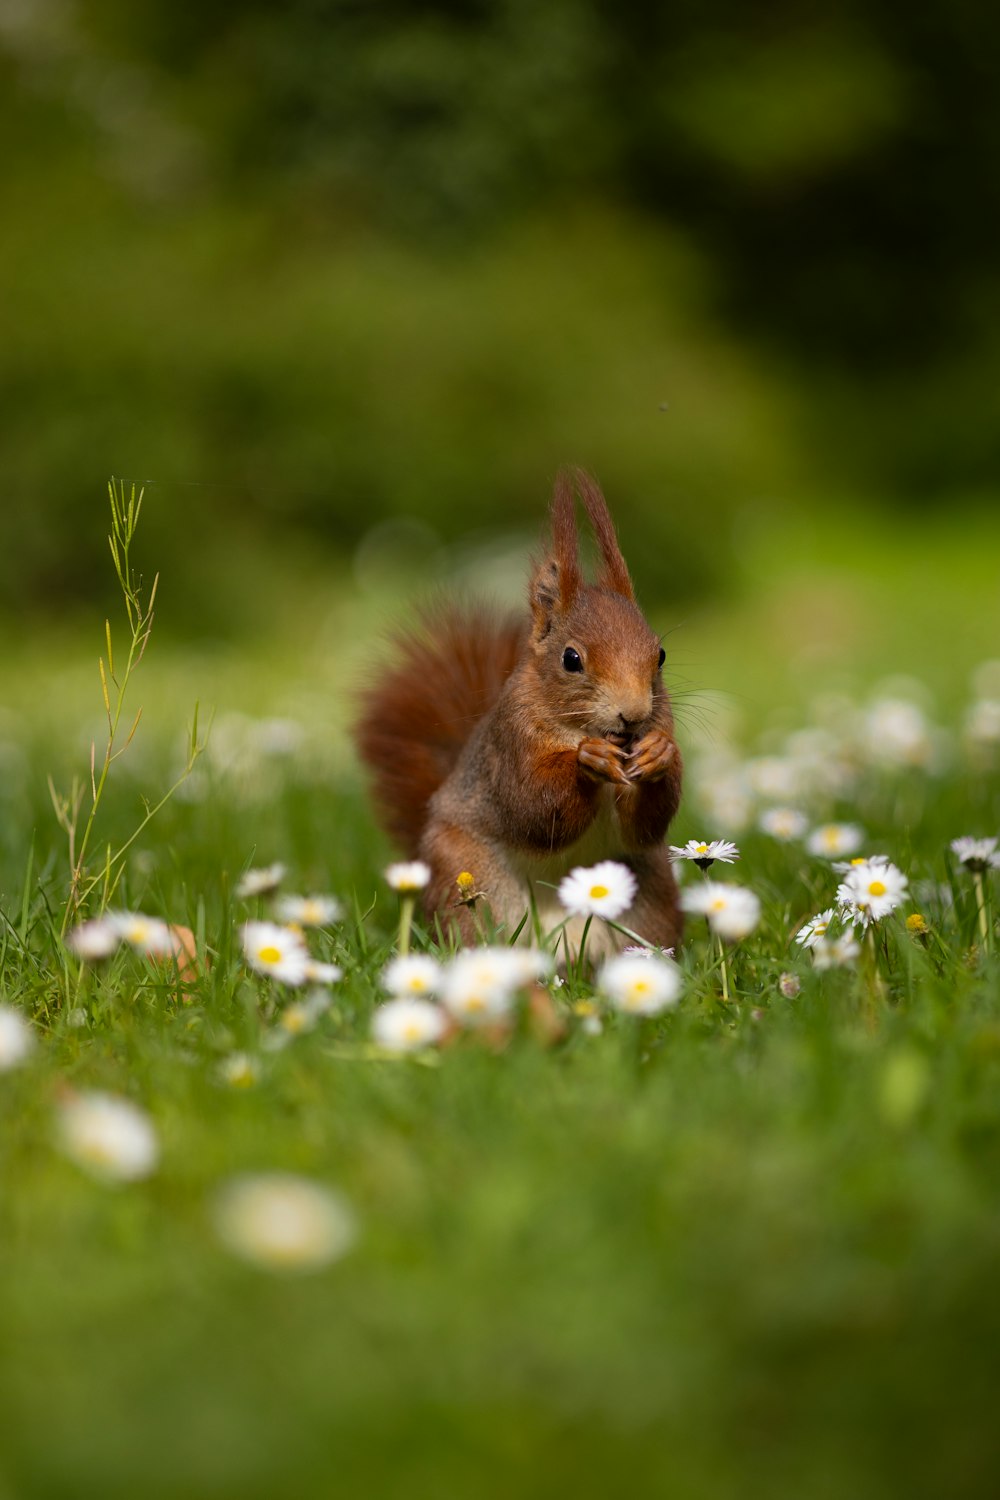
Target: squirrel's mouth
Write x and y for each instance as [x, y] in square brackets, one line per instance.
[619, 737]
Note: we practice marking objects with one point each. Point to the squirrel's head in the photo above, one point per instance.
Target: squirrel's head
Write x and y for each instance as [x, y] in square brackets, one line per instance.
[594, 651]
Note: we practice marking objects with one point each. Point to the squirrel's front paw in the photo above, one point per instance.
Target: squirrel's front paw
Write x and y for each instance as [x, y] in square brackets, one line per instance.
[603, 760]
[652, 757]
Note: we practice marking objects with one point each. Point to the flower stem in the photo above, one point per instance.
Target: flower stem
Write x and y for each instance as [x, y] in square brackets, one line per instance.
[581, 957]
[984, 926]
[724, 971]
[405, 924]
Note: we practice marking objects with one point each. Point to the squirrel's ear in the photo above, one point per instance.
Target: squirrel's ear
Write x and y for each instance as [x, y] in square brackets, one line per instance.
[614, 573]
[556, 580]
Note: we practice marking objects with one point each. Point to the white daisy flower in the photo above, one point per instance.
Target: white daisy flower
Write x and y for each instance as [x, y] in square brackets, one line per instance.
[835, 953]
[810, 932]
[322, 973]
[308, 911]
[408, 877]
[479, 985]
[982, 722]
[775, 778]
[259, 882]
[302, 1015]
[871, 890]
[640, 986]
[93, 940]
[530, 966]
[835, 840]
[605, 890]
[278, 952]
[240, 1070]
[108, 1136]
[149, 935]
[783, 823]
[790, 986]
[406, 1025]
[280, 1222]
[732, 911]
[417, 975]
[704, 854]
[589, 1017]
[897, 733]
[977, 855]
[17, 1038]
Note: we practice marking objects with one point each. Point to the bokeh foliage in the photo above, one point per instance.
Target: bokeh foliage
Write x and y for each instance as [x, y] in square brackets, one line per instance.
[314, 266]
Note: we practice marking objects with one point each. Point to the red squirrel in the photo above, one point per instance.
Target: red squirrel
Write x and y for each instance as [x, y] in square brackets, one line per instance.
[515, 749]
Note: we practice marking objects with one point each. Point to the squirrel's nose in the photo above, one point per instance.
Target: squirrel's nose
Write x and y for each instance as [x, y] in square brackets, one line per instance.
[632, 716]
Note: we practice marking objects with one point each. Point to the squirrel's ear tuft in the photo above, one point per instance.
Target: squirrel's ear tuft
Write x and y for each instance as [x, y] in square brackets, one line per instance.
[556, 580]
[614, 574]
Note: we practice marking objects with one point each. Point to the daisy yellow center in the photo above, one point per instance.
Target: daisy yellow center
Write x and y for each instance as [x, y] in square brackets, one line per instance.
[858, 861]
[417, 985]
[294, 1021]
[475, 1002]
[820, 928]
[831, 838]
[465, 882]
[719, 904]
[640, 988]
[412, 1031]
[876, 888]
[701, 848]
[269, 954]
[597, 891]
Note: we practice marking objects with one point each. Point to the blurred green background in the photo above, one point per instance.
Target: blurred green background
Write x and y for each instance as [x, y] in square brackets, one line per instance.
[344, 284]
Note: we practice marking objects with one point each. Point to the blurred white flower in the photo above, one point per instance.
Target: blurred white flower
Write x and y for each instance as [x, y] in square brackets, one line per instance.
[871, 890]
[982, 723]
[724, 797]
[147, 935]
[322, 973]
[302, 1015]
[977, 855]
[260, 882]
[896, 733]
[810, 932]
[776, 778]
[308, 911]
[732, 911]
[17, 1038]
[93, 940]
[705, 854]
[606, 890]
[790, 986]
[835, 953]
[280, 1222]
[835, 840]
[110, 1137]
[479, 985]
[239, 1070]
[640, 986]
[417, 974]
[783, 823]
[406, 1025]
[278, 952]
[408, 877]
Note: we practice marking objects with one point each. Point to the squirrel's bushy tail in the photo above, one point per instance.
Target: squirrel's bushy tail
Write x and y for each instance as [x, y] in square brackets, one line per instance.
[417, 716]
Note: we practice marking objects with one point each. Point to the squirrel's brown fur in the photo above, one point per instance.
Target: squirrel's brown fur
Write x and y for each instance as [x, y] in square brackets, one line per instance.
[488, 753]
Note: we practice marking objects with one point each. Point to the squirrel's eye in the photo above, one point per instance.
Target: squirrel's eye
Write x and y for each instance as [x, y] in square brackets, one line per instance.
[663, 657]
[571, 660]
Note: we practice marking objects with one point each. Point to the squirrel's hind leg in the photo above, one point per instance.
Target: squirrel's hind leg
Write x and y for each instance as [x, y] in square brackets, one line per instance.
[452, 851]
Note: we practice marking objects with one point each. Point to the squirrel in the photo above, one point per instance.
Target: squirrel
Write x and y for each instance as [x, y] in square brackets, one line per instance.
[517, 748]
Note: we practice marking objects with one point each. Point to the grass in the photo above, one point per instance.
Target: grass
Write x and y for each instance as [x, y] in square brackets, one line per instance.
[743, 1248]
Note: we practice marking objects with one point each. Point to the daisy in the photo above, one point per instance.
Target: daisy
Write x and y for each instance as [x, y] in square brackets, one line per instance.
[783, 823]
[589, 1017]
[406, 1025]
[260, 882]
[147, 935]
[322, 973]
[108, 1136]
[283, 1223]
[479, 985]
[732, 910]
[977, 855]
[239, 1070]
[606, 890]
[835, 953]
[705, 854]
[640, 986]
[302, 1015]
[790, 986]
[93, 940]
[278, 952]
[418, 975]
[408, 877]
[834, 840]
[308, 911]
[16, 1038]
[810, 932]
[871, 890]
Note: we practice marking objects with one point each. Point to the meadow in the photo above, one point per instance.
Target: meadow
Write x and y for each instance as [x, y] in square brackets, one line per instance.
[745, 1245]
